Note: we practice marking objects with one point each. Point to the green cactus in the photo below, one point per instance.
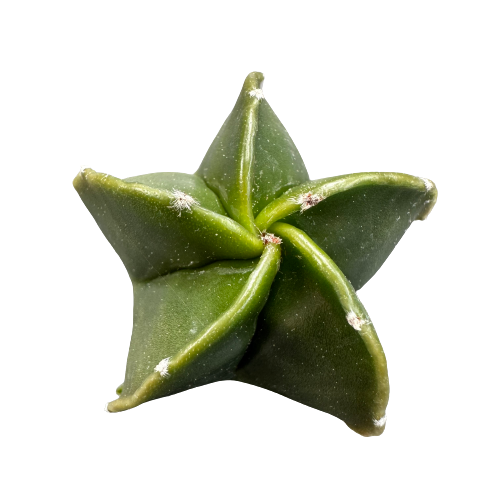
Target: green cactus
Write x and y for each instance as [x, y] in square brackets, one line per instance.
[247, 270]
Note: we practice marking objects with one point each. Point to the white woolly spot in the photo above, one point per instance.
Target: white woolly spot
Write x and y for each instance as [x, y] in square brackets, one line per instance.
[307, 200]
[381, 421]
[355, 321]
[428, 183]
[162, 367]
[182, 201]
[270, 238]
[257, 93]
[106, 408]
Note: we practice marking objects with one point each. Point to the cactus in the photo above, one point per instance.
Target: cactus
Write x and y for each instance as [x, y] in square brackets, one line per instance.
[247, 270]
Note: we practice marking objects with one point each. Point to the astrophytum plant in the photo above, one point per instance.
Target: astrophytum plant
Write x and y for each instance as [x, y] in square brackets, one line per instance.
[247, 270]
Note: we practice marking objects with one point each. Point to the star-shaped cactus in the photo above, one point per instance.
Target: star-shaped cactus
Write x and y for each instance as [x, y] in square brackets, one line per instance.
[247, 270]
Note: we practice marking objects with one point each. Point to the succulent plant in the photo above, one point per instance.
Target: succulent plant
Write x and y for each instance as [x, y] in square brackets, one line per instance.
[247, 270]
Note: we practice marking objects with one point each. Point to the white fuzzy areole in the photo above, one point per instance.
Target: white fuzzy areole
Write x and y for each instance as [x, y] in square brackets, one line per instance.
[182, 201]
[270, 238]
[381, 421]
[308, 200]
[257, 93]
[162, 367]
[428, 183]
[354, 320]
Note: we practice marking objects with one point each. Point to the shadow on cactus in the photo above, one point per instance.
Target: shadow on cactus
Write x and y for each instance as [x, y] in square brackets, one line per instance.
[247, 270]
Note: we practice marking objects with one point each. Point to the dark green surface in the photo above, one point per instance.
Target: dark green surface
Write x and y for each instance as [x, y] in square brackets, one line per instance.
[278, 165]
[360, 220]
[149, 235]
[252, 160]
[208, 304]
[202, 320]
[306, 350]
[172, 310]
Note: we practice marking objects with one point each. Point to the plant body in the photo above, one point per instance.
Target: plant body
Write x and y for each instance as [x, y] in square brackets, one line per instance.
[247, 270]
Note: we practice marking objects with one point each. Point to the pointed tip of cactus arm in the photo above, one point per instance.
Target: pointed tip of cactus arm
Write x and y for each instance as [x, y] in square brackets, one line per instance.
[254, 82]
[376, 429]
[143, 393]
[381, 421]
[80, 180]
[432, 194]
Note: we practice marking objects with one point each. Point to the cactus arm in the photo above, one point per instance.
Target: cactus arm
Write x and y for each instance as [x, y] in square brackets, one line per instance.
[305, 346]
[358, 218]
[152, 235]
[252, 159]
[229, 313]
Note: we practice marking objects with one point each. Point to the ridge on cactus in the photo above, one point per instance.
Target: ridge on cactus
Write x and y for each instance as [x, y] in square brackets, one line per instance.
[247, 270]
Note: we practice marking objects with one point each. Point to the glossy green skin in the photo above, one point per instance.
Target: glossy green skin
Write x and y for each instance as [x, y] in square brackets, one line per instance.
[252, 160]
[209, 301]
[361, 219]
[310, 295]
[148, 234]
